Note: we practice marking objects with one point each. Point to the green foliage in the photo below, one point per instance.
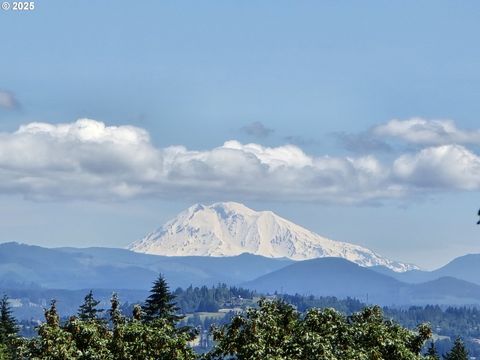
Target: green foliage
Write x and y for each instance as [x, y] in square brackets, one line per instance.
[115, 313]
[432, 352]
[194, 299]
[160, 305]
[88, 311]
[87, 337]
[53, 342]
[266, 333]
[8, 325]
[458, 351]
[303, 303]
[4, 355]
[8, 330]
[91, 339]
[276, 331]
[155, 340]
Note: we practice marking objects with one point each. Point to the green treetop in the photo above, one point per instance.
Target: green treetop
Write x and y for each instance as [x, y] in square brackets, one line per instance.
[8, 325]
[8, 330]
[432, 352]
[458, 351]
[160, 305]
[88, 311]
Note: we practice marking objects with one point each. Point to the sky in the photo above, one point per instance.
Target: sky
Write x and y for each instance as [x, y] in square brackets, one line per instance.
[359, 121]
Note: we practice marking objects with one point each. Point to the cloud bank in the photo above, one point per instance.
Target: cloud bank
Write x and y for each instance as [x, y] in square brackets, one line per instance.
[88, 160]
[427, 132]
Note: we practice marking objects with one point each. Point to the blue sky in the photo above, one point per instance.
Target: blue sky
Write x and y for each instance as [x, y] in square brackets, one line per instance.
[326, 77]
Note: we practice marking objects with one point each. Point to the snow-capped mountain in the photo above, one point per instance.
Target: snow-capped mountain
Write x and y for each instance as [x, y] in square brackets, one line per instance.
[229, 229]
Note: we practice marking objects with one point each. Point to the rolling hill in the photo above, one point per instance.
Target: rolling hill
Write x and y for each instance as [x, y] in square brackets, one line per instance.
[341, 278]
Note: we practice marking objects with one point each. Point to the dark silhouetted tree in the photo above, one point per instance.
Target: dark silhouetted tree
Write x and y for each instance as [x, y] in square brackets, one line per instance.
[88, 311]
[160, 304]
[8, 324]
[432, 352]
[114, 312]
[8, 329]
[458, 351]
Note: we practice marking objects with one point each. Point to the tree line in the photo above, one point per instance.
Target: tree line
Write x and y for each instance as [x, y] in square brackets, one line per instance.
[273, 330]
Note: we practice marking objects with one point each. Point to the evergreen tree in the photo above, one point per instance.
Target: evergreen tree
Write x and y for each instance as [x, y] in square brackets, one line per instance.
[8, 329]
[114, 312]
[88, 310]
[432, 352]
[8, 325]
[458, 351]
[117, 345]
[4, 352]
[160, 305]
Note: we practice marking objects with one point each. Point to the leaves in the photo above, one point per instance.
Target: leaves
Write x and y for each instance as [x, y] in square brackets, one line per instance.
[277, 331]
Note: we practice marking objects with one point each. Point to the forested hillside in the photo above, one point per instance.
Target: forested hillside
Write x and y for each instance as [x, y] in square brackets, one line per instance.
[172, 325]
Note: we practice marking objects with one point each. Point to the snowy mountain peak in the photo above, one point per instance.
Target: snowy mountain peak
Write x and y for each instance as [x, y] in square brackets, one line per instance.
[230, 228]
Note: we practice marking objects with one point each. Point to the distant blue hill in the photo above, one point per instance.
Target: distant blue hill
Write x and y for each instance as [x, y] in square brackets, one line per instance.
[328, 276]
[30, 303]
[341, 278]
[23, 266]
[465, 267]
[36, 269]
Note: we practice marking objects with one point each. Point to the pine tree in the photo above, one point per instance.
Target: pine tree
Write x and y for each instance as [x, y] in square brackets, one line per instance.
[51, 315]
[8, 324]
[160, 303]
[117, 345]
[8, 329]
[458, 351]
[88, 310]
[114, 312]
[432, 352]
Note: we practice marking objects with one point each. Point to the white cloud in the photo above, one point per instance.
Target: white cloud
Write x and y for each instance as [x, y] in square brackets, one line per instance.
[427, 132]
[446, 166]
[7, 100]
[89, 160]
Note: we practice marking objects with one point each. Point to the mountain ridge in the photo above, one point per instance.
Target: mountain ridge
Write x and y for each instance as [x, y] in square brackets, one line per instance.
[341, 278]
[97, 267]
[24, 267]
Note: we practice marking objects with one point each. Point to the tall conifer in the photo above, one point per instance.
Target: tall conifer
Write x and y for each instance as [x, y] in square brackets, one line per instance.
[458, 351]
[8, 324]
[8, 330]
[88, 311]
[432, 352]
[160, 303]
